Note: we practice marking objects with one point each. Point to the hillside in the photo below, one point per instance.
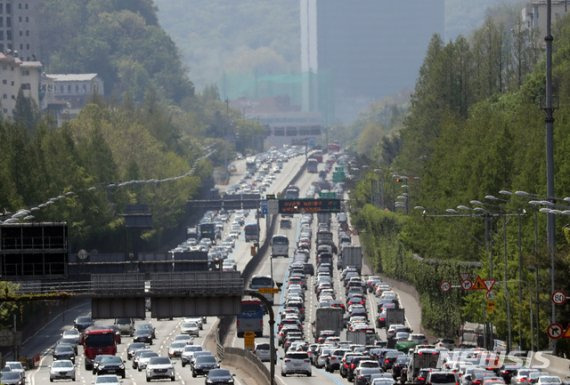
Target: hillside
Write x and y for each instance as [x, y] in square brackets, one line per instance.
[220, 35]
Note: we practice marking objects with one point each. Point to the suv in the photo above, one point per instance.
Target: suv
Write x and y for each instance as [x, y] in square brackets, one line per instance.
[296, 362]
[442, 378]
[125, 326]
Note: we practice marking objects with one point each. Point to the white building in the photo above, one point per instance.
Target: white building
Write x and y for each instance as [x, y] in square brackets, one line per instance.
[64, 95]
[16, 75]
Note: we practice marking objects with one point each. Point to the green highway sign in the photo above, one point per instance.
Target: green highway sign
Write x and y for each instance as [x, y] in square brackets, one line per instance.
[299, 206]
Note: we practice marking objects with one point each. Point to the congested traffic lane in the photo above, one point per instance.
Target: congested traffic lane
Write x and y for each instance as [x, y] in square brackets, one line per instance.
[166, 330]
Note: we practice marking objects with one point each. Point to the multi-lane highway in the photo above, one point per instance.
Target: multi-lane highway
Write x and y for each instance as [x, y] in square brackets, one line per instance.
[166, 330]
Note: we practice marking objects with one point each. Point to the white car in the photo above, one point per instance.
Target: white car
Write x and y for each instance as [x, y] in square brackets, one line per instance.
[107, 379]
[160, 367]
[190, 328]
[198, 320]
[62, 369]
[176, 348]
[296, 363]
[262, 351]
[144, 359]
[16, 366]
[549, 380]
[184, 337]
[188, 354]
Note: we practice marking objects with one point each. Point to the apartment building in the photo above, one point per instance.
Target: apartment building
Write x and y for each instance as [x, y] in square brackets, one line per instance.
[16, 75]
[19, 33]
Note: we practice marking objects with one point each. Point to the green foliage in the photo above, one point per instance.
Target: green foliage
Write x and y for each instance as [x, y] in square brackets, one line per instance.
[475, 126]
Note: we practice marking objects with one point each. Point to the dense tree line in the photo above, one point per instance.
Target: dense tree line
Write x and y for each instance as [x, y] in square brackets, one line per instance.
[475, 126]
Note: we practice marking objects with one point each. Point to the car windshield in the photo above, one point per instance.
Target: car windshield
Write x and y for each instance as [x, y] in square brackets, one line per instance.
[192, 348]
[99, 340]
[442, 378]
[206, 359]
[178, 344]
[63, 349]
[219, 373]
[111, 360]
[148, 354]
[62, 364]
[159, 361]
[107, 380]
[10, 376]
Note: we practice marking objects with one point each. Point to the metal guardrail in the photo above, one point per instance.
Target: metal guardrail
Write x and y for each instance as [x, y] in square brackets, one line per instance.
[206, 283]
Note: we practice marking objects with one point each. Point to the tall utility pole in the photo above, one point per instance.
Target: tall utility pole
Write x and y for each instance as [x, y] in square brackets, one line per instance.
[549, 109]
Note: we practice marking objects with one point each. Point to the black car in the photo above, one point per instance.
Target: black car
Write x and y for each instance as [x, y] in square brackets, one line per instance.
[133, 347]
[66, 342]
[110, 365]
[219, 377]
[400, 363]
[203, 364]
[63, 352]
[147, 326]
[82, 323]
[143, 335]
[97, 360]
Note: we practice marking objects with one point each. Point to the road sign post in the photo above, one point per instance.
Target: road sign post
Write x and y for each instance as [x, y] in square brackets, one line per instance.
[555, 331]
[559, 297]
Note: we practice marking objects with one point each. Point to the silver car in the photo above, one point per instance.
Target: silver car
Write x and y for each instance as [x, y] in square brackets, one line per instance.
[60, 369]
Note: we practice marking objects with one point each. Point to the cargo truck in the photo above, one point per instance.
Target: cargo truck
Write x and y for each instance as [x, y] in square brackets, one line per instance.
[395, 316]
[362, 336]
[350, 256]
[328, 318]
[421, 358]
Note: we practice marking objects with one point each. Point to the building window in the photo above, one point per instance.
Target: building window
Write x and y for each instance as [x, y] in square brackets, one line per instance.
[27, 32]
[26, 86]
[27, 19]
[69, 88]
[8, 35]
[13, 97]
[26, 6]
[291, 131]
[1, 34]
[84, 88]
[8, 8]
[5, 96]
[1, 8]
[21, 33]
[279, 131]
[12, 83]
[19, 5]
[26, 72]
[1, 22]
[4, 81]
[9, 22]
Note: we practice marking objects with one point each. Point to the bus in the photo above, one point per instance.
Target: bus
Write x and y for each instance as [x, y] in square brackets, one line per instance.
[250, 318]
[250, 164]
[312, 165]
[279, 246]
[292, 192]
[98, 341]
[260, 282]
[207, 230]
[251, 231]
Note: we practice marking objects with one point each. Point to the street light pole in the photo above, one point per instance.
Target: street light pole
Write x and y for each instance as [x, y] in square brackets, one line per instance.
[505, 280]
[550, 226]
